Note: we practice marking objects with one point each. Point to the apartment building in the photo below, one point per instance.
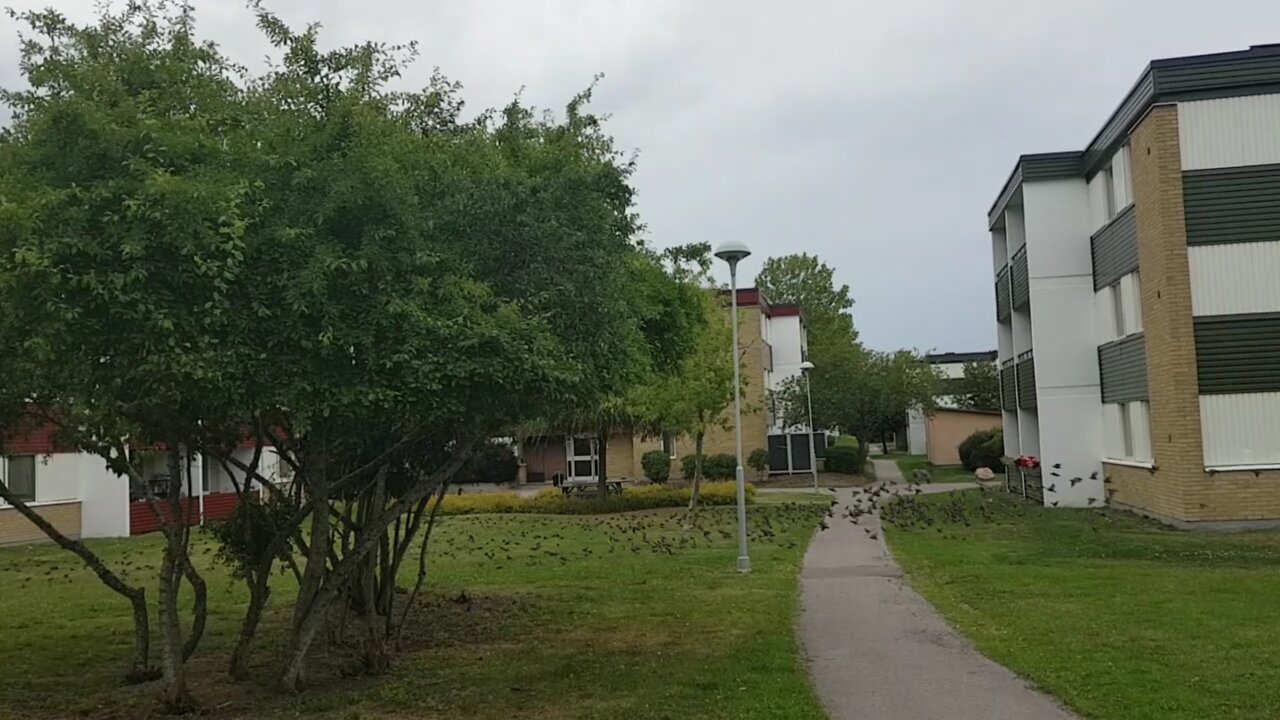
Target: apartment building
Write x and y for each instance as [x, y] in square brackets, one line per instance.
[1138, 299]
[773, 342]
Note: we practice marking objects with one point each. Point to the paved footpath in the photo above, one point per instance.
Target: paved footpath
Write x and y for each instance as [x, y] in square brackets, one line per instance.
[878, 651]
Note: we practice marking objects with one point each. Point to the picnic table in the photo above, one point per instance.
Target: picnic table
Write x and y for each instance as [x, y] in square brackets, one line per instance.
[613, 486]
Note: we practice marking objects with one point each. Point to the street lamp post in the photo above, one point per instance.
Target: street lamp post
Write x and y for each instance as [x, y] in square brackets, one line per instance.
[806, 367]
[732, 252]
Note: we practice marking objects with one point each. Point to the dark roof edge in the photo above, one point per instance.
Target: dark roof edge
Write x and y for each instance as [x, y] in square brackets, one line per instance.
[1034, 166]
[954, 357]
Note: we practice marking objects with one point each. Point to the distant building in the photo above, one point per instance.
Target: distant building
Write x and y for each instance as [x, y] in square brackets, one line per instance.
[937, 435]
[1138, 299]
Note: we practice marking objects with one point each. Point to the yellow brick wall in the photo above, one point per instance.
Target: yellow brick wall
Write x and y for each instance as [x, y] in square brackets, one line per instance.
[755, 428]
[15, 529]
[1178, 488]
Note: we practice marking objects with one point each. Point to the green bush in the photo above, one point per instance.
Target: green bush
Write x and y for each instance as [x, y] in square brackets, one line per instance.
[721, 466]
[984, 448]
[758, 460]
[552, 502]
[656, 465]
[844, 458]
[493, 462]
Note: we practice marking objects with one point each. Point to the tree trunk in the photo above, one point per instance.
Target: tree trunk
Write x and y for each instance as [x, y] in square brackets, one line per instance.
[696, 488]
[200, 610]
[140, 669]
[177, 696]
[884, 442]
[307, 621]
[259, 592]
[422, 561]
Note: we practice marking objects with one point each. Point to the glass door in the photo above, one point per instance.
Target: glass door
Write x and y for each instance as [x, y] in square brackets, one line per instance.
[583, 458]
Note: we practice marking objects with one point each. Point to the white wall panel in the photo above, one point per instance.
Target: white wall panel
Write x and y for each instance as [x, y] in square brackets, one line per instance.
[1097, 203]
[1229, 132]
[1071, 436]
[1241, 429]
[1065, 341]
[57, 477]
[1105, 315]
[1029, 432]
[104, 500]
[1235, 278]
[1015, 230]
[1012, 444]
[1140, 428]
[1057, 226]
[1112, 433]
[999, 250]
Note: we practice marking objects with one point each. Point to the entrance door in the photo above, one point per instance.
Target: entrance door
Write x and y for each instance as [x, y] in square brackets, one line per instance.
[583, 458]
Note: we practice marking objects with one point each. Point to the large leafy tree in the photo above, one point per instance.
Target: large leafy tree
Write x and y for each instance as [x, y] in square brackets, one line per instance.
[354, 277]
[810, 283]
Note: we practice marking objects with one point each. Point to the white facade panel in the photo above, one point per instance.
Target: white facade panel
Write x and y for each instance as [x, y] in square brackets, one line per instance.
[1229, 132]
[1112, 432]
[1028, 433]
[916, 442]
[57, 477]
[1012, 444]
[1004, 341]
[1105, 315]
[1140, 429]
[1065, 343]
[104, 500]
[1071, 438]
[1097, 203]
[999, 250]
[1240, 429]
[1015, 229]
[1057, 225]
[1235, 278]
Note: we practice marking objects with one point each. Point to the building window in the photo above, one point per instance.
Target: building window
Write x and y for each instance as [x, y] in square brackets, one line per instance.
[669, 444]
[1135, 301]
[20, 476]
[1126, 432]
[1109, 188]
[1117, 310]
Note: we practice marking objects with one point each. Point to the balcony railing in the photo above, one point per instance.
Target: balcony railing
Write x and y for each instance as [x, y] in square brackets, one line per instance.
[1004, 296]
[1026, 380]
[1020, 283]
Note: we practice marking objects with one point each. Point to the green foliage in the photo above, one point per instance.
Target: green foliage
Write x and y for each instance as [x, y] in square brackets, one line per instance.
[806, 281]
[846, 441]
[861, 392]
[491, 462]
[983, 448]
[844, 459]
[553, 502]
[656, 465]
[758, 461]
[721, 466]
[244, 536]
[979, 389]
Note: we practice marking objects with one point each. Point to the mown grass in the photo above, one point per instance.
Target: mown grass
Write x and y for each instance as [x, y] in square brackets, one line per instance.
[1121, 618]
[908, 464]
[530, 616]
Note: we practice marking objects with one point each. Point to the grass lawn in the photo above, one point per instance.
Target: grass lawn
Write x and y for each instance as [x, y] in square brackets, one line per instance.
[908, 464]
[1121, 618]
[805, 480]
[532, 616]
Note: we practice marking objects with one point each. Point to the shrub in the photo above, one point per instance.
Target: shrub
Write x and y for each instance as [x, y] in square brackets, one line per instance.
[552, 502]
[844, 458]
[984, 448]
[656, 465]
[493, 462]
[721, 466]
[758, 460]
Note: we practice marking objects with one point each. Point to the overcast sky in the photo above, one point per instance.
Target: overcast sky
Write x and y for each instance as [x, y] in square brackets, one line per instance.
[875, 135]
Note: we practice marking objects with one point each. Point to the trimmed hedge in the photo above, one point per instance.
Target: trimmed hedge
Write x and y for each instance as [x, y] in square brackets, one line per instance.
[844, 459]
[984, 448]
[552, 502]
[721, 466]
[656, 465]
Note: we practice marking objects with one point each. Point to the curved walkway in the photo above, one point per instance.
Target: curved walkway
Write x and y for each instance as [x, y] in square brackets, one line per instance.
[878, 651]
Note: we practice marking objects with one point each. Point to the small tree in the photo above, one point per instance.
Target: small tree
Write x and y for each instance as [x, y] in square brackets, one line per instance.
[979, 388]
[758, 461]
[656, 465]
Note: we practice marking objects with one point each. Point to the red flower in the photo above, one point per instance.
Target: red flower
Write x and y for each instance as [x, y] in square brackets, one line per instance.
[1027, 461]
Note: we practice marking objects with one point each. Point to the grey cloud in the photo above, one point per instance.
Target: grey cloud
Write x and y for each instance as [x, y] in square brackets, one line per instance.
[873, 134]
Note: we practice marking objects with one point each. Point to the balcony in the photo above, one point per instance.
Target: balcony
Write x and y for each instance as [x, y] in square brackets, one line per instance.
[1008, 386]
[1004, 295]
[1020, 283]
[1026, 381]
